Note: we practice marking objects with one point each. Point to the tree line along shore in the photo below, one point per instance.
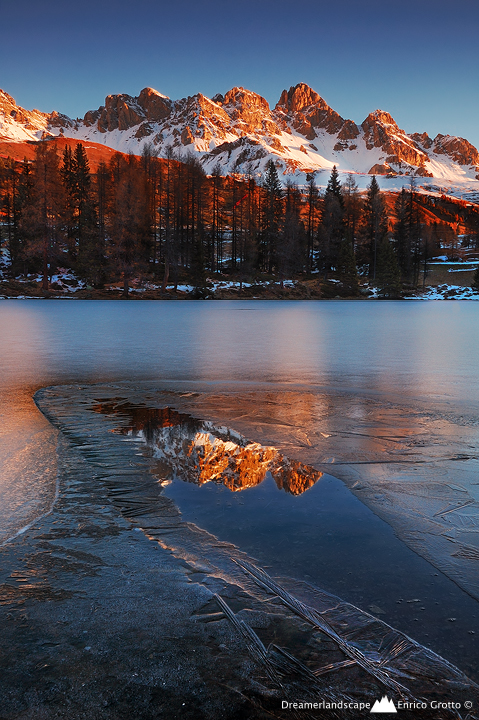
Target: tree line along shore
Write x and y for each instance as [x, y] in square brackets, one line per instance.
[164, 228]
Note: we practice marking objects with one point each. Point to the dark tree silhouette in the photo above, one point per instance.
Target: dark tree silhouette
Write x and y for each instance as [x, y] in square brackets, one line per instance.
[375, 224]
[331, 230]
[272, 212]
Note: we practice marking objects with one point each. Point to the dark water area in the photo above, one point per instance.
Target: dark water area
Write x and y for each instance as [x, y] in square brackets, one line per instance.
[328, 538]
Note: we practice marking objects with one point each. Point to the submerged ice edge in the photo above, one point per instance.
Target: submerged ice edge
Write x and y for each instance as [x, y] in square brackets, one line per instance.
[160, 520]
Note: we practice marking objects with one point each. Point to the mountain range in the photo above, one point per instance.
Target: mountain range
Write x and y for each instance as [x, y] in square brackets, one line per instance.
[239, 132]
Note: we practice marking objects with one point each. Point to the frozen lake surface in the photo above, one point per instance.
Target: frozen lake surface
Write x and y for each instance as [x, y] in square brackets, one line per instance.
[382, 395]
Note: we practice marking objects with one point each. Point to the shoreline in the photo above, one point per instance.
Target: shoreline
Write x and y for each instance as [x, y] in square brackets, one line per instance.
[432, 292]
[444, 280]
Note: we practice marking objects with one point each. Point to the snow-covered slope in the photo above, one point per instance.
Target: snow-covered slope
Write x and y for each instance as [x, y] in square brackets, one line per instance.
[19, 125]
[240, 132]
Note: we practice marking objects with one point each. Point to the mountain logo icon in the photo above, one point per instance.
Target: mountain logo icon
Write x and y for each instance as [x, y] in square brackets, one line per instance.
[385, 705]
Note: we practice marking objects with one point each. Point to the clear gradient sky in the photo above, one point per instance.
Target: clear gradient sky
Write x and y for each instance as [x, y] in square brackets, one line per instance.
[417, 59]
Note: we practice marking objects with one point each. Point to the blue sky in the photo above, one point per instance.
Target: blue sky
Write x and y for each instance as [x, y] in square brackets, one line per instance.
[419, 60]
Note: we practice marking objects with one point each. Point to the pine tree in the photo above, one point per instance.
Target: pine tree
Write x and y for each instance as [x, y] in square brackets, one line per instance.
[352, 210]
[169, 255]
[103, 197]
[414, 231]
[69, 208]
[25, 195]
[388, 275]
[401, 235]
[249, 248]
[291, 241]
[334, 186]
[152, 177]
[80, 216]
[127, 220]
[11, 212]
[347, 270]
[376, 224]
[235, 234]
[43, 213]
[198, 270]
[194, 252]
[271, 216]
[331, 230]
[312, 195]
[86, 220]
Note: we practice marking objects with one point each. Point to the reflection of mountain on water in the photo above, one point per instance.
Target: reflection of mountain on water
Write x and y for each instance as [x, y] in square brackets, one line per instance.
[199, 452]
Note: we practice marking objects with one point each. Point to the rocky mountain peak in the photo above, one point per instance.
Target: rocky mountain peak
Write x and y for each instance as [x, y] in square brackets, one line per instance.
[299, 97]
[196, 120]
[248, 110]
[379, 116]
[307, 112]
[149, 92]
[119, 113]
[7, 103]
[156, 106]
[422, 139]
[122, 111]
[459, 149]
[14, 114]
[382, 131]
[243, 98]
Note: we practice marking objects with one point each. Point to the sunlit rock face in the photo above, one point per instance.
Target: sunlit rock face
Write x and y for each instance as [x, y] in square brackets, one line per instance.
[120, 112]
[249, 109]
[156, 106]
[379, 169]
[240, 133]
[460, 150]
[19, 124]
[198, 452]
[307, 111]
[381, 131]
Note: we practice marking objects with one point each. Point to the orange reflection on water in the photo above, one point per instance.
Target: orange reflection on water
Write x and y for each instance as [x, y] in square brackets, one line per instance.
[199, 452]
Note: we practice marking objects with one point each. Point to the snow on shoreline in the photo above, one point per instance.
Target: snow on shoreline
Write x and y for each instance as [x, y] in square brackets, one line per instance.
[445, 292]
[67, 285]
[439, 292]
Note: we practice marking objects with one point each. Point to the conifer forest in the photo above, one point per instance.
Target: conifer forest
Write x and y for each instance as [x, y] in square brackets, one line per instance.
[164, 221]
